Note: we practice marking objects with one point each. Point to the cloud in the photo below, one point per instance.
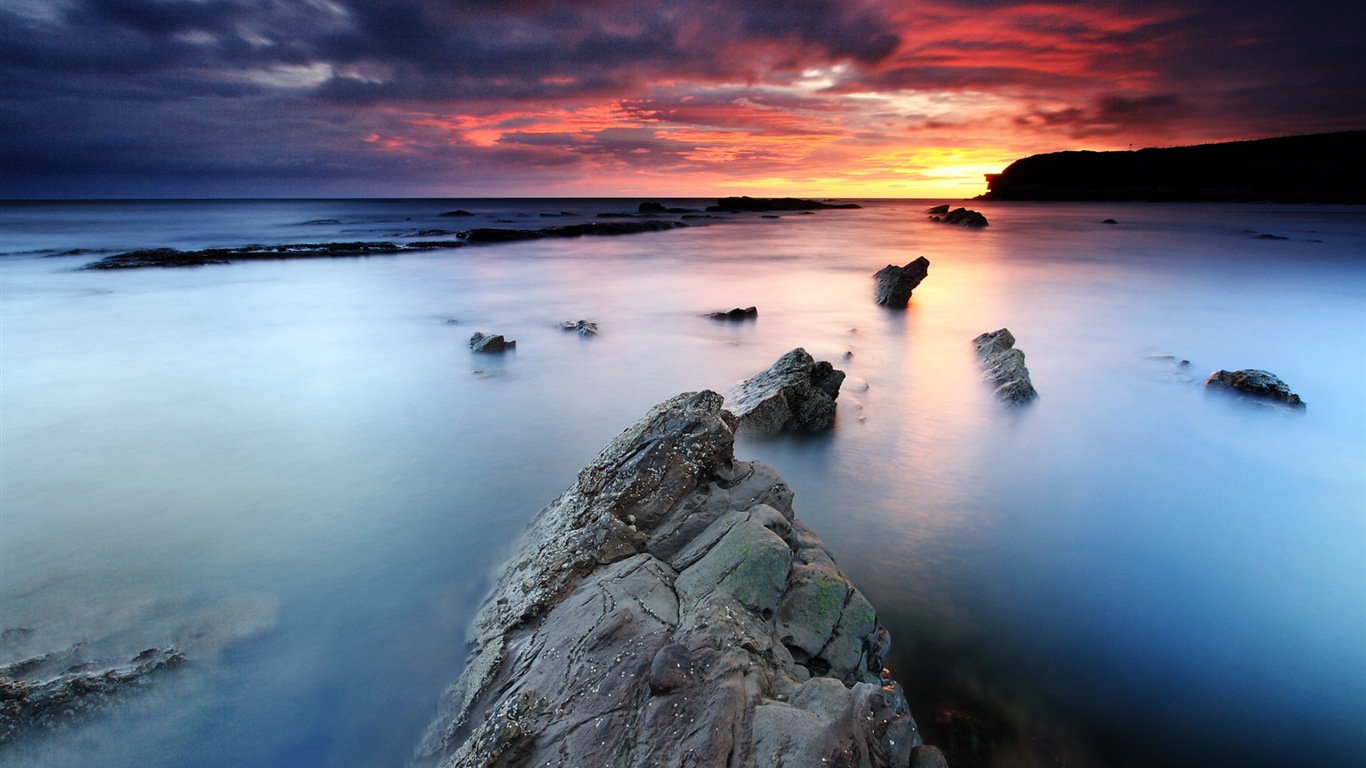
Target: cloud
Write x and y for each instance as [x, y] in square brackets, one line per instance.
[414, 92]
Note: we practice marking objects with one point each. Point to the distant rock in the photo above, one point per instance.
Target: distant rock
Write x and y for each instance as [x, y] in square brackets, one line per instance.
[480, 342]
[651, 207]
[583, 327]
[46, 692]
[170, 257]
[668, 609]
[1319, 168]
[1109, 221]
[748, 313]
[894, 284]
[456, 213]
[499, 235]
[320, 222]
[938, 210]
[775, 204]
[962, 217]
[615, 215]
[1256, 386]
[1005, 366]
[795, 393]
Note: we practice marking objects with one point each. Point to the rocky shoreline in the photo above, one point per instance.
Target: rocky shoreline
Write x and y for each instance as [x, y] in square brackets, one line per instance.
[669, 609]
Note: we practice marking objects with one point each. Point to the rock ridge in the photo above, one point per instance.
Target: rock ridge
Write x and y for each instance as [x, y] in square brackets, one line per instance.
[668, 609]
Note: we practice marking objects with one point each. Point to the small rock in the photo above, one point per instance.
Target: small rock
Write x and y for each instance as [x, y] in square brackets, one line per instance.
[747, 313]
[895, 284]
[651, 207]
[480, 342]
[938, 210]
[1005, 366]
[584, 327]
[456, 213]
[1257, 386]
[1109, 221]
[963, 218]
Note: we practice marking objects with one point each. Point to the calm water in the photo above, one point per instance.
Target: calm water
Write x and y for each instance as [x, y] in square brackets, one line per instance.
[297, 472]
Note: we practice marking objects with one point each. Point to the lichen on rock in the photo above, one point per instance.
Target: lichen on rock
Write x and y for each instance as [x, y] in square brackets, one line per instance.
[668, 609]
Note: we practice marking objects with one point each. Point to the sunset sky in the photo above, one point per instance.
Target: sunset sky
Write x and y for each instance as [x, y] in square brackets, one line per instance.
[283, 98]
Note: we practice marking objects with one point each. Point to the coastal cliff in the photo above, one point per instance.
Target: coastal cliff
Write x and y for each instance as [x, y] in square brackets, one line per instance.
[1319, 168]
[668, 609]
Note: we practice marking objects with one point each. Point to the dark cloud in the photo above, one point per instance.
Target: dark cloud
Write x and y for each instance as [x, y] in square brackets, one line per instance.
[186, 92]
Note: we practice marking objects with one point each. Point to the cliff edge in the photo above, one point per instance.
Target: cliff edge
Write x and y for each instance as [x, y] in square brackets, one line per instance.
[667, 609]
[1318, 168]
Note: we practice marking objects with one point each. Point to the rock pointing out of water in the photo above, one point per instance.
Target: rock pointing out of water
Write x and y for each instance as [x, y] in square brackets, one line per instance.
[667, 609]
[895, 284]
[1256, 385]
[962, 217]
[1005, 366]
[481, 342]
[795, 393]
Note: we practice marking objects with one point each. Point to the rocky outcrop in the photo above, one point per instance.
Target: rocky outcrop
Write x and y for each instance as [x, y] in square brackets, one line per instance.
[590, 229]
[667, 609]
[1005, 366]
[481, 342]
[748, 313]
[44, 692]
[1256, 386]
[1319, 168]
[171, 257]
[894, 284]
[795, 393]
[962, 217]
[582, 327]
[762, 204]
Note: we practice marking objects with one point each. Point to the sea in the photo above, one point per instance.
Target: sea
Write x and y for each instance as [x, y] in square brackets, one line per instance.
[298, 473]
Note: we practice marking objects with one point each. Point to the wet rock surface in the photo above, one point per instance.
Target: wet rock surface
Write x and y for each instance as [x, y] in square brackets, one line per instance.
[47, 692]
[582, 327]
[1256, 386]
[1005, 367]
[170, 257]
[667, 609]
[490, 343]
[894, 284]
[795, 393]
[746, 313]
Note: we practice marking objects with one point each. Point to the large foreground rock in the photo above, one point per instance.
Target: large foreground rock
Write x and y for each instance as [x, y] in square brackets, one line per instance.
[795, 393]
[895, 284]
[667, 609]
[1256, 385]
[1005, 366]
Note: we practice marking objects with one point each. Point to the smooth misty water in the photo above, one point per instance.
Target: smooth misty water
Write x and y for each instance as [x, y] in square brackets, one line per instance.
[297, 472]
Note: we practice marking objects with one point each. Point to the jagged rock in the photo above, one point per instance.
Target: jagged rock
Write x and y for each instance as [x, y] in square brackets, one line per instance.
[1005, 366]
[939, 210]
[584, 327]
[748, 313]
[481, 342]
[35, 697]
[895, 284]
[963, 218]
[1256, 386]
[651, 207]
[795, 393]
[644, 620]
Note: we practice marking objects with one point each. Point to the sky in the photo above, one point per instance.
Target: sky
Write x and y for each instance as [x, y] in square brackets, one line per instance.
[831, 98]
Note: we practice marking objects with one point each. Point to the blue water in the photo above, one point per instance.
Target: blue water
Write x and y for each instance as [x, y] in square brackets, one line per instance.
[297, 472]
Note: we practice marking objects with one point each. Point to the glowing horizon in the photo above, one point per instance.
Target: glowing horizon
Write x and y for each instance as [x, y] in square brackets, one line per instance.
[665, 98]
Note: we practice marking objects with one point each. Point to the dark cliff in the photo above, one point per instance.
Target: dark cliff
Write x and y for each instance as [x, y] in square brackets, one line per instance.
[1320, 168]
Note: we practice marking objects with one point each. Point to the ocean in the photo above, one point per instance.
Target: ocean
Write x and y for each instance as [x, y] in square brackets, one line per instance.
[299, 474]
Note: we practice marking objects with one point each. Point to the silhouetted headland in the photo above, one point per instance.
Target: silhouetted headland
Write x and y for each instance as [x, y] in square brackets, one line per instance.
[1319, 168]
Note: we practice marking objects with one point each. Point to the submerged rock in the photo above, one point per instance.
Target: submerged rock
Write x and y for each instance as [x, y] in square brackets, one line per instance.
[747, 203]
[481, 342]
[962, 217]
[795, 393]
[667, 609]
[1257, 386]
[895, 284]
[748, 313]
[1005, 366]
[32, 697]
[583, 327]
